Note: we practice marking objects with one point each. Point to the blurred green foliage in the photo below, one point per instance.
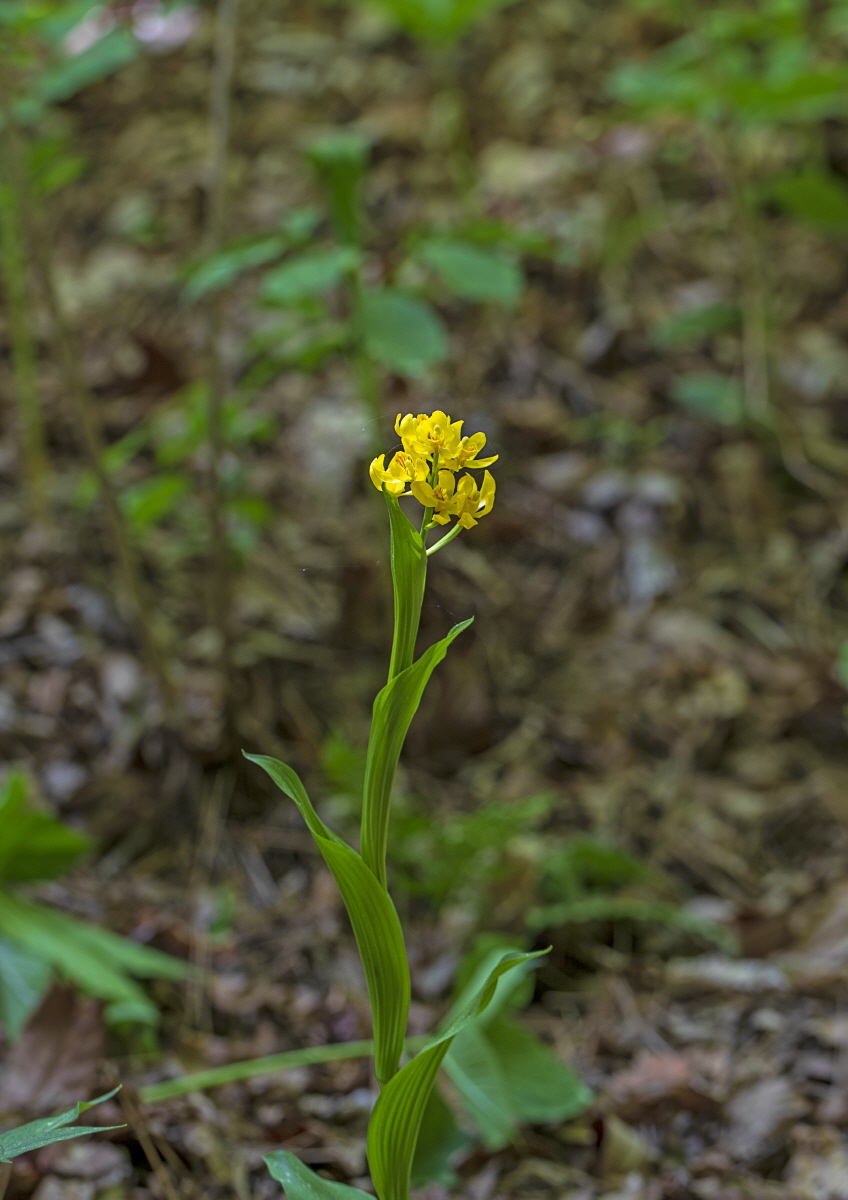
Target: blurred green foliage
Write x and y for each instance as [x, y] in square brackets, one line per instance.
[38, 942]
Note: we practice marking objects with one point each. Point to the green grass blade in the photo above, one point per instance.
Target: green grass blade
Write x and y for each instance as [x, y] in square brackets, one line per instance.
[249, 1068]
[409, 574]
[394, 708]
[396, 1120]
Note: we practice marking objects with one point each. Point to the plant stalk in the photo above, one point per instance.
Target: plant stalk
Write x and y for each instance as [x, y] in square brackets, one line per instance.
[36, 470]
[221, 592]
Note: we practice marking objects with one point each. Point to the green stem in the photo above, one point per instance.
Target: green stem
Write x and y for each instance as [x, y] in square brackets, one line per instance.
[444, 541]
[249, 1069]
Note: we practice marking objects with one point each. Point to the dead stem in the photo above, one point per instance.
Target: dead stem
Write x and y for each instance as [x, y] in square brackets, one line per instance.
[36, 468]
[221, 598]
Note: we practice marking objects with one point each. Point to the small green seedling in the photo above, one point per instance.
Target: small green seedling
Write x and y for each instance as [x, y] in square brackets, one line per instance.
[48, 1130]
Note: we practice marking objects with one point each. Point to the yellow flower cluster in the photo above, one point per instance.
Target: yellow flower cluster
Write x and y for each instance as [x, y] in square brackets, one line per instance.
[434, 450]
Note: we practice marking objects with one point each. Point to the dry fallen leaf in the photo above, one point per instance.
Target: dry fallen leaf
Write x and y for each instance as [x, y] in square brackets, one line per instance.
[56, 1059]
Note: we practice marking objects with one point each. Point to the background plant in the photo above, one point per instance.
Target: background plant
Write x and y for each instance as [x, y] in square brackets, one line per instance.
[38, 942]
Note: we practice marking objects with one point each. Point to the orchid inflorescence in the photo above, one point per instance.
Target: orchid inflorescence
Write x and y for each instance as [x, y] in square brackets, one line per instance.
[434, 451]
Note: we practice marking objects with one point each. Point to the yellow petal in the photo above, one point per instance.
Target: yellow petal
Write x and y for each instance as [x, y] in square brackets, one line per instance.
[424, 494]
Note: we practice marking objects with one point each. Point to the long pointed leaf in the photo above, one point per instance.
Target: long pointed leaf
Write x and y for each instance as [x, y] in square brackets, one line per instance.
[375, 922]
[394, 708]
[288, 781]
[396, 1120]
[379, 936]
[48, 1130]
[409, 574]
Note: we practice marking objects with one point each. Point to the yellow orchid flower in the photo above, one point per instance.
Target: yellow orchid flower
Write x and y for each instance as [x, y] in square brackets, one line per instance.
[428, 436]
[440, 498]
[470, 502]
[466, 453]
[402, 470]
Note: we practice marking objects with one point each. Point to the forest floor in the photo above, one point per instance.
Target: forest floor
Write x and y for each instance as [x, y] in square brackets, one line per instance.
[659, 606]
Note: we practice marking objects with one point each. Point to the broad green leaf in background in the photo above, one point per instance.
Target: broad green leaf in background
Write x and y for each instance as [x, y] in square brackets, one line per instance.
[401, 333]
[473, 273]
[540, 1086]
[153, 499]
[394, 708]
[339, 159]
[50, 166]
[710, 395]
[816, 198]
[48, 1130]
[110, 52]
[301, 1183]
[473, 1068]
[506, 1076]
[33, 844]
[439, 1139]
[24, 979]
[438, 20]
[221, 269]
[409, 575]
[630, 908]
[396, 1120]
[375, 923]
[694, 324]
[98, 961]
[309, 274]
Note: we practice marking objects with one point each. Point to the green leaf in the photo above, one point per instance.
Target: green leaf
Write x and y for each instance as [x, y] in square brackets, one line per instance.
[24, 978]
[394, 708]
[375, 923]
[710, 395]
[153, 499]
[300, 1183]
[814, 197]
[309, 274]
[219, 270]
[473, 1067]
[403, 334]
[438, 20]
[630, 908]
[339, 159]
[33, 844]
[288, 781]
[99, 961]
[379, 937]
[50, 1129]
[540, 1086]
[695, 323]
[396, 1120]
[439, 1139]
[409, 575]
[115, 49]
[472, 273]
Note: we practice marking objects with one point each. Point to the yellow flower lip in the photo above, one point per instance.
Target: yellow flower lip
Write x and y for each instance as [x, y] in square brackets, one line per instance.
[434, 450]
